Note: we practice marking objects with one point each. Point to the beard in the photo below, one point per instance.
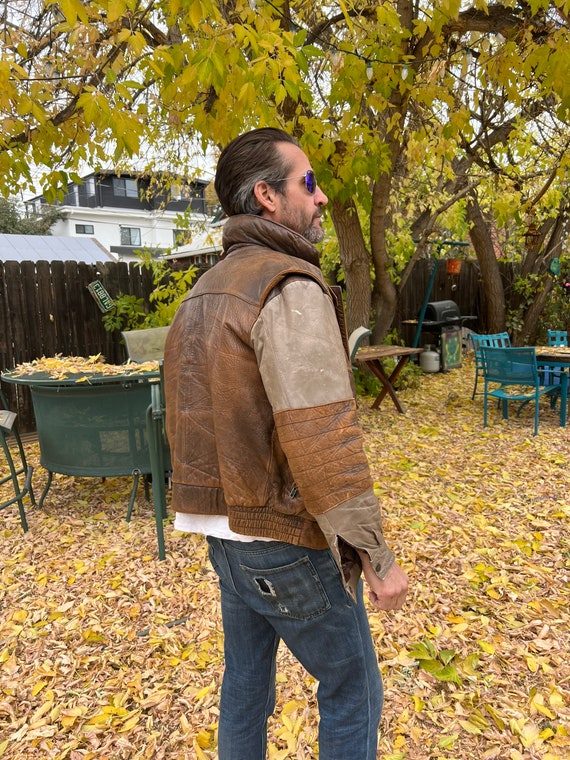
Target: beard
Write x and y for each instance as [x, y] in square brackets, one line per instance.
[299, 222]
[313, 234]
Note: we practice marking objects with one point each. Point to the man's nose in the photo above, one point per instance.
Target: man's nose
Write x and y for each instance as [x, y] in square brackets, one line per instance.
[320, 198]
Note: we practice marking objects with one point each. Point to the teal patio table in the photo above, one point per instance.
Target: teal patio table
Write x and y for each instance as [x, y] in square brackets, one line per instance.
[91, 424]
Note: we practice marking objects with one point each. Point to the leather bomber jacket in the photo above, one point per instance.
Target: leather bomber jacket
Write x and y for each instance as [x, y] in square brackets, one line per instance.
[232, 453]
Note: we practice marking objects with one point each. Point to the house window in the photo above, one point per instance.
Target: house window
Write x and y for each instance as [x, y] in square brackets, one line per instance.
[130, 236]
[90, 187]
[181, 191]
[181, 237]
[84, 229]
[125, 188]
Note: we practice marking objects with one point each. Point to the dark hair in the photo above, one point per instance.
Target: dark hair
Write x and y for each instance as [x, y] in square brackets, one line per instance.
[246, 160]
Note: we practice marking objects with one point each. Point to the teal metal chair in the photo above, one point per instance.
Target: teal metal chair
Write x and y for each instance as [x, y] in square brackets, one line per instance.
[551, 375]
[511, 374]
[354, 341]
[558, 337]
[19, 472]
[478, 341]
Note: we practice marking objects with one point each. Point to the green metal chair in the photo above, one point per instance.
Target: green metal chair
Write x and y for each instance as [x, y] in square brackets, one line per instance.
[478, 341]
[159, 452]
[145, 345]
[18, 468]
[511, 374]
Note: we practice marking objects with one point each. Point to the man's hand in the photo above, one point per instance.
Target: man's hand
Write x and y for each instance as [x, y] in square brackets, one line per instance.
[387, 594]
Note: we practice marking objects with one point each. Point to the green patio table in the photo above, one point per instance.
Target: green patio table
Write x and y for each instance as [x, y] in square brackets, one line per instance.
[96, 425]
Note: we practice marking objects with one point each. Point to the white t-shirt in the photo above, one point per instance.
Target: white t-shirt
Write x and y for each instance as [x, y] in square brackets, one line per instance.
[210, 525]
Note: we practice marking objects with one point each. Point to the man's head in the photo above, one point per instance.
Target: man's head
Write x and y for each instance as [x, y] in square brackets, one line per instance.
[264, 172]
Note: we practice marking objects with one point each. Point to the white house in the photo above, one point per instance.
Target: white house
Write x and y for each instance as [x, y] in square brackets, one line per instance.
[126, 213]
[204, 249]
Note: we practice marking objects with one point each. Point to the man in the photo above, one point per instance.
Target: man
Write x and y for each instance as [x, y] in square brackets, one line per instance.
[268, 460]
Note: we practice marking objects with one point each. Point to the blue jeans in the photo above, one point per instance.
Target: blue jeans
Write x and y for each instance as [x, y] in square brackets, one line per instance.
[272, 591]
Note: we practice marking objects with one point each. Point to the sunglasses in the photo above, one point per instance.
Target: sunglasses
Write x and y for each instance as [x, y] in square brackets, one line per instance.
[308, 178]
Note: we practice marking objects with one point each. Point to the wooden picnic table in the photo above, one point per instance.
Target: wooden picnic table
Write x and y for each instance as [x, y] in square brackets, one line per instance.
[374, 356]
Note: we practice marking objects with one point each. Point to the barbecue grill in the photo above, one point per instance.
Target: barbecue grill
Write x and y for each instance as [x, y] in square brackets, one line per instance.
[444, 320]
[440, 314]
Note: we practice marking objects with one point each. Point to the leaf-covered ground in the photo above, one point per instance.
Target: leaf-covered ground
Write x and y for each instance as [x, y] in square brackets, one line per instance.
[107, 653]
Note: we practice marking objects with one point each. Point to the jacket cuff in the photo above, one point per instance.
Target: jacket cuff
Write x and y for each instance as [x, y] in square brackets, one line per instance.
[357, 524]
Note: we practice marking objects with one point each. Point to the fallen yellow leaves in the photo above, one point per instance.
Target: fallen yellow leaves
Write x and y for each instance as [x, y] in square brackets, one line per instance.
[293, 718]
[108, 654]
[63, 367]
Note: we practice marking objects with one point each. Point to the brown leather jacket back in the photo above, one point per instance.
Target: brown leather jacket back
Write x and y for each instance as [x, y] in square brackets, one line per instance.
[225, 452]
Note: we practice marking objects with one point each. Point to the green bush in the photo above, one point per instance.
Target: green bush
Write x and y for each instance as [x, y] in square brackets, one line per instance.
[170, 288]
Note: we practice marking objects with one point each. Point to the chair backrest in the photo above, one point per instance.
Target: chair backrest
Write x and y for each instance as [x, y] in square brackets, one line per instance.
[145, 345]
[355, 339]
[558, 337]
[495, 340]
[510, 366]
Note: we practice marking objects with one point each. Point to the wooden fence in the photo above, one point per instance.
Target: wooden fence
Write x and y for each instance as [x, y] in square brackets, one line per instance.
[465, 289]
[46, 309]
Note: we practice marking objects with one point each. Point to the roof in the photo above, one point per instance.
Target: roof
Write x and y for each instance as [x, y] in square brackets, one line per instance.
[209, 241]
[52, 248]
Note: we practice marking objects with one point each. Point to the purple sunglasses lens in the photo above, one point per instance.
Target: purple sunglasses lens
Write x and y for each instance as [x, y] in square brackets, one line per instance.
[310, 181]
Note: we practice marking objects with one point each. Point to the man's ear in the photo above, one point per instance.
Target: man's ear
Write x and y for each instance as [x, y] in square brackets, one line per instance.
[265, 196]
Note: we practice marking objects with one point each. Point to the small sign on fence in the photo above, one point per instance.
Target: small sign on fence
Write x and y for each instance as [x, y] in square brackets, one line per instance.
[102, 298]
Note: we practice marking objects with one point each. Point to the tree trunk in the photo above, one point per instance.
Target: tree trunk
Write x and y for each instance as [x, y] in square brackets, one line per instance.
[384, 294]
[490, 275]
[355, 262]
[535, 310]
[556, 231]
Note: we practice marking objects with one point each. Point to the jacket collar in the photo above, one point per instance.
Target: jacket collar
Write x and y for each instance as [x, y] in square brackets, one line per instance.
[246, 230]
